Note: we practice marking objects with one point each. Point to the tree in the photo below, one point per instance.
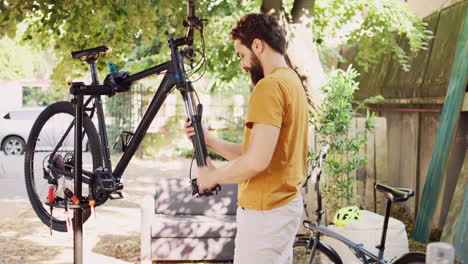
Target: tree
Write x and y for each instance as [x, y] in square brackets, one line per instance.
[302, 52]
[137, 32]
[375, 26]
[23, 62]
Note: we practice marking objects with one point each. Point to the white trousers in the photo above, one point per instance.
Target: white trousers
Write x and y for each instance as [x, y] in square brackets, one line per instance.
[267, 237]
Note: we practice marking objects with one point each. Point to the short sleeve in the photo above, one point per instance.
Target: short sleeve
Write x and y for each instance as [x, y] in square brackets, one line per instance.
[267, 104]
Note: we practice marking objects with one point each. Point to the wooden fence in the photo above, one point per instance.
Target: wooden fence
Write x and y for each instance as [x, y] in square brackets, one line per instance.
[375, 171]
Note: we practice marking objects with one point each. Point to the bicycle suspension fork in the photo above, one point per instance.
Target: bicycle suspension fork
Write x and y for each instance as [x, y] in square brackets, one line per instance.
[194, 112]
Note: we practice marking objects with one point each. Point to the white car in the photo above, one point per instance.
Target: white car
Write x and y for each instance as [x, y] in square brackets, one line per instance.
[15, 127]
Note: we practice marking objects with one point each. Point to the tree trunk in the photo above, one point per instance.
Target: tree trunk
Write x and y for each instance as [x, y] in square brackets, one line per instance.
[302, 54]
[302, 51]
[272, 7]
[302, 8]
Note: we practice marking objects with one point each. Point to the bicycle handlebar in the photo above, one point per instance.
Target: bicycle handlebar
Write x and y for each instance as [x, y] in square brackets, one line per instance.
[191, 9]
[192, 22]
[322, 155]
[189, 22]
[317, 169]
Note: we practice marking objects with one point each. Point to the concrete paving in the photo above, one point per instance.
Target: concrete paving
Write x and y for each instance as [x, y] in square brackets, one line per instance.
[113, 237]
[13, 194]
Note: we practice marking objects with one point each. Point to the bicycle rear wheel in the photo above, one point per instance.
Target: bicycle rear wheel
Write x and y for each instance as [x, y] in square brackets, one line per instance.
[411, 258]
[322, 255]
[51, 127]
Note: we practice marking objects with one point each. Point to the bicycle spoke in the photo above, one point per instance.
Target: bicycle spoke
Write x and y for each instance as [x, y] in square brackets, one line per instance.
[49, 162]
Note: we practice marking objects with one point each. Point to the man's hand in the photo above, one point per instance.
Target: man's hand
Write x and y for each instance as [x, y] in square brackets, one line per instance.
[190, 131]
[206, 176]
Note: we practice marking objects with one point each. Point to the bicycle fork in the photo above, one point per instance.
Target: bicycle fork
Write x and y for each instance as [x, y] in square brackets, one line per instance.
[194, 113]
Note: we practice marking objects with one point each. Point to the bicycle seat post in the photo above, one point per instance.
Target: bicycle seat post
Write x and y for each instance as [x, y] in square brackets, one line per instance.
[91, 60]
[381, 247]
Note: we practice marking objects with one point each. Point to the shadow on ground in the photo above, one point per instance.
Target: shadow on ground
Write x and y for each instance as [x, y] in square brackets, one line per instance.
[121, 247]
[17, 245]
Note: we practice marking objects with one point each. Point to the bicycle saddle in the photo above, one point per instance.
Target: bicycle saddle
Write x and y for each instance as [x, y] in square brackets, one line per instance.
[395, 194]
[87, 52]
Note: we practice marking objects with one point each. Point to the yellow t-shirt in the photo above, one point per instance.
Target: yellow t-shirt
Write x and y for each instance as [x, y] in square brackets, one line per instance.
[279, 100]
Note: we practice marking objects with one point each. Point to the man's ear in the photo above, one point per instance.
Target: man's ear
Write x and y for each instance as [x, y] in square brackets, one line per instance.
[257, 46]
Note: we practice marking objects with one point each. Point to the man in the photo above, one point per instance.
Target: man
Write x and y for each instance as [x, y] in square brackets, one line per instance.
[270, 163]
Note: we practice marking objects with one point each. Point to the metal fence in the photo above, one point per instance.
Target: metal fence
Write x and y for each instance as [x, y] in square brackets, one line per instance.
[123, 112]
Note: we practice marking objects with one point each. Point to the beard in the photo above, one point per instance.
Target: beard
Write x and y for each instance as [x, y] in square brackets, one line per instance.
[256, 70]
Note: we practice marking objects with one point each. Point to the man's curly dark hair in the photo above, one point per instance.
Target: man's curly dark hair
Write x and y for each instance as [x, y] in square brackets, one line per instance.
[260, 26]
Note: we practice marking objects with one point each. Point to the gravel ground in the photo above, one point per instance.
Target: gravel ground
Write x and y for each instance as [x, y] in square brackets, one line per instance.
[113, 237]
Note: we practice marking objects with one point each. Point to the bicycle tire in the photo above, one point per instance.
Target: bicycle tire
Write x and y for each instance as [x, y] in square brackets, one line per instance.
[411, 258]
[323, 255]
[48, 121]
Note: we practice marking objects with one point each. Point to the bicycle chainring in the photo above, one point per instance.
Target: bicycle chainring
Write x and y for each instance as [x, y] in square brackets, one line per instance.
[100, 195]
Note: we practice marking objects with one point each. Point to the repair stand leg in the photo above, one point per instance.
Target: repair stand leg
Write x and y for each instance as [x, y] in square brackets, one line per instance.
[78, 213]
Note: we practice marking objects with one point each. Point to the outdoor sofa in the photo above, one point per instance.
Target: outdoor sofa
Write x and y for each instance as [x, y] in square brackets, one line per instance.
[177, 226]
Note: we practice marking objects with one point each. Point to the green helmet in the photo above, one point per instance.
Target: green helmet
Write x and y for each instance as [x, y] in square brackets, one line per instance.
[346, 214]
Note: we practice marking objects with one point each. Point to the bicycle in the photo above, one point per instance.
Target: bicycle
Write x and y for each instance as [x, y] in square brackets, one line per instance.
[50, 159]
[311, 249]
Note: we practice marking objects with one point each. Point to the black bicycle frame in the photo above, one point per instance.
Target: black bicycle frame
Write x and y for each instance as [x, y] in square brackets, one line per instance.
[174, 76]
[164, 89]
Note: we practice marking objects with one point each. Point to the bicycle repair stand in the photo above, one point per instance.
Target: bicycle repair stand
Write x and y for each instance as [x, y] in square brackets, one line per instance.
[78, 212]
[78, 98]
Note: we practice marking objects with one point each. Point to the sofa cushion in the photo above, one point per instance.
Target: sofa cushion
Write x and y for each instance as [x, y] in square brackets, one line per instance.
[196, 226]
[174, 197]
[173, 249]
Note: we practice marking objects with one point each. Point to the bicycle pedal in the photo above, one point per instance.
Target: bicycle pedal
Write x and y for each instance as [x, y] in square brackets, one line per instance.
[105, 180]
[119, 186]
[116, 196]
